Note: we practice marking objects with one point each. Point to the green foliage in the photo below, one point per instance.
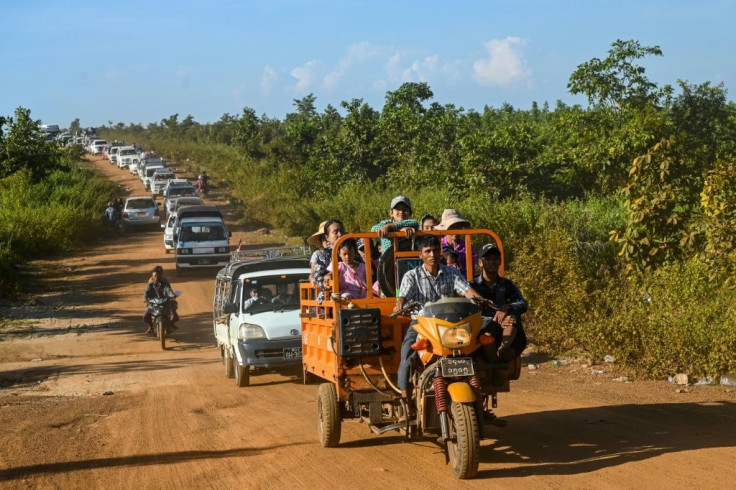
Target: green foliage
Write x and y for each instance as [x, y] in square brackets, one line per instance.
[22, 146]
[718, 202]
[617, 81]
[654, 167]
[43, 217]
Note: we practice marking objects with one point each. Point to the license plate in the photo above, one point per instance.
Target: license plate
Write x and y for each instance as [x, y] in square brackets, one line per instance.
[292, 353]
[457, 366]
[141, 213]
[205, 262]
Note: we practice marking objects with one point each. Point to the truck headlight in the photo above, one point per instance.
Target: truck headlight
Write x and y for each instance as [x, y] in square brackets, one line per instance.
[455, 337]
[221, 250]
[248, 331]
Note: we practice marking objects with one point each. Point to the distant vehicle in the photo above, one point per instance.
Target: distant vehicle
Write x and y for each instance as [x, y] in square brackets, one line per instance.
[160, 179]
[112, 154]
[126, 155]
[147, 175]
[140, 211]
[265, 333]
[169, 233]
[201, 241]
[174, 192]
[97, 146]
[50, 129]
[186, 201]
[148, 161]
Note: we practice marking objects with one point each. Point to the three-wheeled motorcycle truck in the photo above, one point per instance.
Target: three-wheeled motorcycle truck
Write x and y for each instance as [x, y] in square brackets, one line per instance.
[354, 347]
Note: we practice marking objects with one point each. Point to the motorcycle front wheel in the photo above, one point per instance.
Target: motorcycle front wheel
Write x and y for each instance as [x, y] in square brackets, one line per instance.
[464, 445]
[161, 332]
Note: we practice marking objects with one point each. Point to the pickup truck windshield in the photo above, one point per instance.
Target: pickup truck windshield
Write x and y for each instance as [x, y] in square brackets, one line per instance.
[275, 293]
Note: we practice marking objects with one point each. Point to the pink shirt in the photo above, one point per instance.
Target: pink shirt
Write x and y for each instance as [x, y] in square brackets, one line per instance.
[352, 282]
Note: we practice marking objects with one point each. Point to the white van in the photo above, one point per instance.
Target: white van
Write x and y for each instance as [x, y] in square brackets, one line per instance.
[202, 239]
[263, 334]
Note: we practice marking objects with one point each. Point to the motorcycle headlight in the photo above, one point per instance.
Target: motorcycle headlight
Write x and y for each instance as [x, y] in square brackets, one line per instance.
[248, 331]
[455, 337]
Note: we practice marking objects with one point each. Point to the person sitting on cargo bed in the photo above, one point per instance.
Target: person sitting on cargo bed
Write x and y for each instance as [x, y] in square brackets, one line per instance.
[510, 339]
[334, 229]
[350, 272]
[400, 220]
[318, 241]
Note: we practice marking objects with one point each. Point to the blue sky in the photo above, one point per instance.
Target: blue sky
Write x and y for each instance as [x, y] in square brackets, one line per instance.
[138, 61]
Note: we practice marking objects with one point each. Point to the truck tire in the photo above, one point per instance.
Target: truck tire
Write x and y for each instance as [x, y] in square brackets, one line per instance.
[242, 375]
[328, 415]
[464, 444]
[229, 365]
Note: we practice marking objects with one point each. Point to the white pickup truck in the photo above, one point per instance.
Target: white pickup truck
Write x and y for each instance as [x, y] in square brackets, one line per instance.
[262, 333]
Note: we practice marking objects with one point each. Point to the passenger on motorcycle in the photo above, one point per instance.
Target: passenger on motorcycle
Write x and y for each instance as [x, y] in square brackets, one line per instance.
[429, 282]
[159, 287]
[510, 339]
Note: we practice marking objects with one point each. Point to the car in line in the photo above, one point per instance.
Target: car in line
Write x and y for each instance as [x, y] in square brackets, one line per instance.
[265, 333]
[160, 180]
[96, 146]
[126, 155]
[174, 192]
[140, 211]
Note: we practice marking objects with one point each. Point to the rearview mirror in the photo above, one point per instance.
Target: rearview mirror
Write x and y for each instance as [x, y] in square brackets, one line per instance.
[230, 308]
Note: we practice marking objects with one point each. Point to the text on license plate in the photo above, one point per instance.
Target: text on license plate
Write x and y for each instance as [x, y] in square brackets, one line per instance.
[457, 366]
[292, 353]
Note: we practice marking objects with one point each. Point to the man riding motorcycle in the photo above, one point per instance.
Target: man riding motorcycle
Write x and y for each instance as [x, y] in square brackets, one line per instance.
[159, 287]
[428, 282]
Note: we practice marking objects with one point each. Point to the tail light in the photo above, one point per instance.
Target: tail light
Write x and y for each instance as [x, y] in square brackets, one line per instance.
[486, 339]
[125, 214]
[156, 213]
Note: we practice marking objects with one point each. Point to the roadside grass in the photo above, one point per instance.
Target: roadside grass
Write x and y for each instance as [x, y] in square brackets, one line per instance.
[675, 320]
[40, 219]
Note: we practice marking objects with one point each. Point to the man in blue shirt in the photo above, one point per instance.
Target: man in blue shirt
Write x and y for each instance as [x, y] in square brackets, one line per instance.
[510, 339]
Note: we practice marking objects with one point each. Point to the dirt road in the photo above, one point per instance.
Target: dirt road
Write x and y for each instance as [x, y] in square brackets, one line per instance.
[88, 401]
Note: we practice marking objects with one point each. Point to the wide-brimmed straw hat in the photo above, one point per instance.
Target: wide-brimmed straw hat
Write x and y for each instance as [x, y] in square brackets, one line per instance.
[450, 217]
[316, 239]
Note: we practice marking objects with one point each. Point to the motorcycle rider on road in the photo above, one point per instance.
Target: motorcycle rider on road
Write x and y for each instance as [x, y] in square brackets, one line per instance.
[159, 287]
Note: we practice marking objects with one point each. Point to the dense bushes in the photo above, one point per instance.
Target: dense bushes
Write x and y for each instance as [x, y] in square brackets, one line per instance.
[46, 208]
[647, 167]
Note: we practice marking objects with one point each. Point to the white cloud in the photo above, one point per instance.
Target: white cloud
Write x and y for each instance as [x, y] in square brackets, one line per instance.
[305, 75]
[504, 65]
[238, 93]
[268, 79]
[358, 53]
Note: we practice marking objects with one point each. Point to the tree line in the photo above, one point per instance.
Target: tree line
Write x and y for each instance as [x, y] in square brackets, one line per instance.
[612, 212]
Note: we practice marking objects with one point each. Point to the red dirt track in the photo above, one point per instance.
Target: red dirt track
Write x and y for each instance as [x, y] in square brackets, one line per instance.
[88, 401]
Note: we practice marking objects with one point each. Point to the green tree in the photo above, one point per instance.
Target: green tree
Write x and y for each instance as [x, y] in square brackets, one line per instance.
[23, 147]
[617, 81]
[74, 127]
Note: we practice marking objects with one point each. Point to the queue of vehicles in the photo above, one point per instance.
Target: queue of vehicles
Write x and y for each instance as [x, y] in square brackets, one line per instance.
[266, 315]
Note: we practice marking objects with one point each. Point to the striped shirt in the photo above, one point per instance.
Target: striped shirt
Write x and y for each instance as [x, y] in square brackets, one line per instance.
[421, 286]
